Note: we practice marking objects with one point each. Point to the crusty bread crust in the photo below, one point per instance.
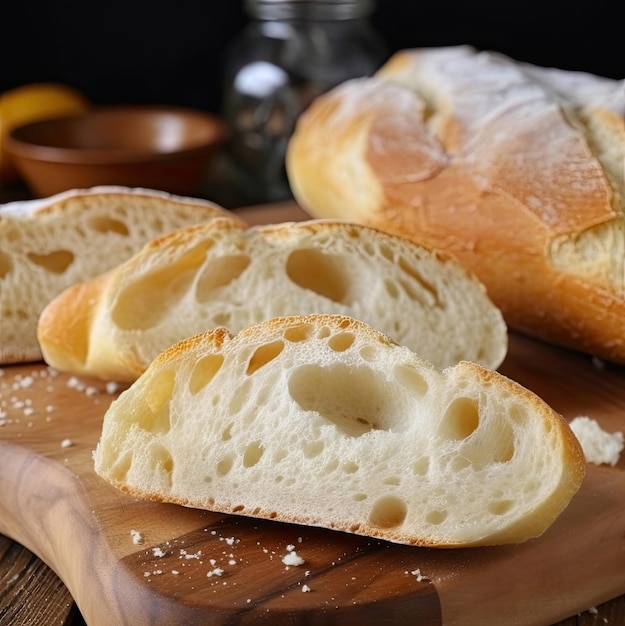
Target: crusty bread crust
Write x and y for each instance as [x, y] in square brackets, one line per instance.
[51, 243]
[224, 274]
[322, 420]
[515, 170]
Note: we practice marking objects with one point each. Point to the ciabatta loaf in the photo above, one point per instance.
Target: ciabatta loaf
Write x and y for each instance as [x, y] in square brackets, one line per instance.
[49, 244]
[322, 420]
[516, 170]
[223, 274]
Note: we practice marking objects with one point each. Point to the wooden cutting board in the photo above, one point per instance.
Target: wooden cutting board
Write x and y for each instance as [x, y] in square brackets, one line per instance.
[131, 562]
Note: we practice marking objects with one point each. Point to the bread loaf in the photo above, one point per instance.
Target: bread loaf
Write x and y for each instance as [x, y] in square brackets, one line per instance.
[49, 244]
[322, 420]
[514, 169]
[223, 274]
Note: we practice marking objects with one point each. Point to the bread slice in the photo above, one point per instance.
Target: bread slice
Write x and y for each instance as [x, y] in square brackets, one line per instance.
[515, 170]
[322, 420]
[223, 274]
[52, 243]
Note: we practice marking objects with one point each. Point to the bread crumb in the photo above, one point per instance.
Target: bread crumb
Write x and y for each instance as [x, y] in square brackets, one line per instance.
[112, 388]
[159, 552]
[186, 555]
[292, 558]
[418, 575]
[67, 443]
[215, 572]
[305, 588]
[600, 447]
[137, 537]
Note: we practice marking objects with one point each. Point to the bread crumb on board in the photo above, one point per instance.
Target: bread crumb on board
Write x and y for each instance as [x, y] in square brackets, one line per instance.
[137, 537]
[600, 447]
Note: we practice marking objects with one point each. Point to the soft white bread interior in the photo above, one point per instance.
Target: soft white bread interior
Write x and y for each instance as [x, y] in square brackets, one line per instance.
[223, 274]
[322, 420]
[516, 170]
[48, 244]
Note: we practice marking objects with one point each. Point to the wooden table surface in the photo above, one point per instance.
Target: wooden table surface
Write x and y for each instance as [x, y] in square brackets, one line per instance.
[32, 594]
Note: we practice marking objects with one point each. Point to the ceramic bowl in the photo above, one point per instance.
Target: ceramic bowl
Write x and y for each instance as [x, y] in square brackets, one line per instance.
[167, 148]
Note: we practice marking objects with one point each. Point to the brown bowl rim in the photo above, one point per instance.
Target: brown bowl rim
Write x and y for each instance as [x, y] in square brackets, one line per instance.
[19, 147]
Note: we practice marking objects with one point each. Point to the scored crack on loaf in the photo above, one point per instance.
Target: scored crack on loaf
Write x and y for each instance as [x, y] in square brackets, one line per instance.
[223, 274]
[48, 244]
[516, 170]
[322, 420]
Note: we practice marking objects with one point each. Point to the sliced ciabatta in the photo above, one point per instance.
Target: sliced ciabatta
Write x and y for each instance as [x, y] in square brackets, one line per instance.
[49, 244]
[516, 170]
[322, 420]
[223, 274]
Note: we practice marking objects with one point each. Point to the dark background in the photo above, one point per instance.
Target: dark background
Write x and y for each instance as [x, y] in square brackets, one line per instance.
[146, 52]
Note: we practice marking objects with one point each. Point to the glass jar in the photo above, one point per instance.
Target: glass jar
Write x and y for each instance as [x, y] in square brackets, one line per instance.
[291, 52]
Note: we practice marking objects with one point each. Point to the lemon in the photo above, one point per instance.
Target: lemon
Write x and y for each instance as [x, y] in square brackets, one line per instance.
[32, 103]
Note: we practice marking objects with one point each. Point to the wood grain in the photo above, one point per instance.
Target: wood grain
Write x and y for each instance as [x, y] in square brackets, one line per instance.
[55, 506]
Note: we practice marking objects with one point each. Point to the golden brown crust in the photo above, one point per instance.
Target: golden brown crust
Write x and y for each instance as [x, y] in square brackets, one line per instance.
[500, 187]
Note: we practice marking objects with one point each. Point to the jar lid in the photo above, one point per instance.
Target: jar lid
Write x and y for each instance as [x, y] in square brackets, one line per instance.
[309, 9]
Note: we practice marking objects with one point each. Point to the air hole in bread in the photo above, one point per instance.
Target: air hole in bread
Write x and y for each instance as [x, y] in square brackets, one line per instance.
[349, 467]
[322, 273]
[6, 264]
[56, 262]
[313, 448]
[324, 332]
[388, 511]
[500, 507]
[204, 371]
[421, 466]
[391, 288]
[461, 419]
[355, 399]
[162, 462]
[121, 465]
[253, 453]
[436, 517]
[218, 273]
[297, 333]
[458, 463]
[392, 480]
[331, 466]
[238, 508]
[224, 465]
[419, 287]
[387, 253]
[410, 378]
[160, 291]
[278, 478]
[238, 400]
[341, 341]
[263, 355]
[368, 353]
[155, 418]
[104, 224]
[359, 497]
[226, 433]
